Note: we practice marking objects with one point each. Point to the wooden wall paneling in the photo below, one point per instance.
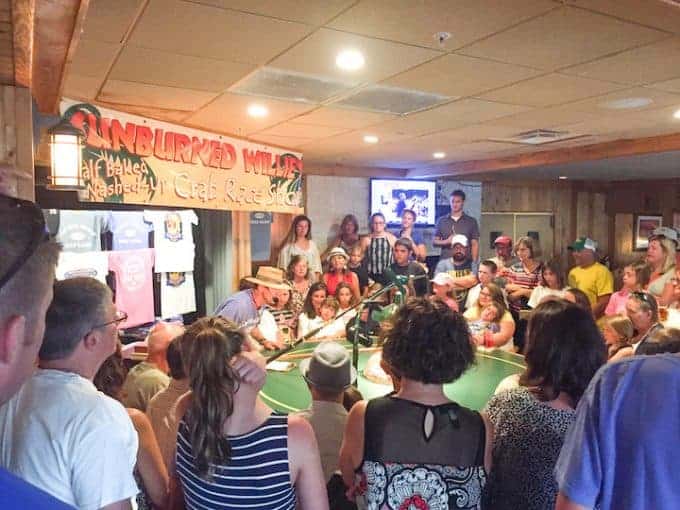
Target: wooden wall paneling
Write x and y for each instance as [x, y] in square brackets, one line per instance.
[562, 208]
[281, 223]
[23, 19]
[622, 252]
[599, 223]
[6, 44]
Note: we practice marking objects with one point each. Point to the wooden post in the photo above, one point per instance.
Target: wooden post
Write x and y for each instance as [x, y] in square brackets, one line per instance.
[16, 142]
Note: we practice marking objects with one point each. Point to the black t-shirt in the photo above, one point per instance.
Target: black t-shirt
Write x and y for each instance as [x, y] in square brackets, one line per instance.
[413, 269]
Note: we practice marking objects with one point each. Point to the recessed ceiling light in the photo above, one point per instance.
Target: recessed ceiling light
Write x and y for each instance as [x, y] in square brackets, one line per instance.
[677, 114]
[627, 103]
[257, 110]
[350, 60]
[439, 155]
[563, 177]
[371, 139]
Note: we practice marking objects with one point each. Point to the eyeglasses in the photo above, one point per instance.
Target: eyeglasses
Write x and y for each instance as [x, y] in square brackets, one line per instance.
[120, 317]
[29, 214]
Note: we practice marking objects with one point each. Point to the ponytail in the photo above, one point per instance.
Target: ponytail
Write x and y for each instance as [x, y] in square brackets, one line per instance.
[211, 342]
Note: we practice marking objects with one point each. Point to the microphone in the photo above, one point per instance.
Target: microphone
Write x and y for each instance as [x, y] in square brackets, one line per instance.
[398, 281]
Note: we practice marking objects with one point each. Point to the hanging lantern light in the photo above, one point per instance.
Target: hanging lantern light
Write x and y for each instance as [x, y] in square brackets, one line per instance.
[66, 150]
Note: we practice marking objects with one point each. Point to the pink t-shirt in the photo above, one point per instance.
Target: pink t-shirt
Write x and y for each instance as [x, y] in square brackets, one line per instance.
[134, 284]
[617, 303]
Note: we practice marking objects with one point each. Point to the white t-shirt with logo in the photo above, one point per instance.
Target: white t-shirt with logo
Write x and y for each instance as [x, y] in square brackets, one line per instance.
[173, 239]
[60, 434]
[94, 264]
[178, 295]
[80, 231]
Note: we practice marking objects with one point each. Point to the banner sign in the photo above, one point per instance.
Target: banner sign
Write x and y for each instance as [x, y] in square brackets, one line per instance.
[128, 159]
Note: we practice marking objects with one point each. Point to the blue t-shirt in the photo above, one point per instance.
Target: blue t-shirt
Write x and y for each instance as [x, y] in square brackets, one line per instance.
[16, 493]
[240, 308]
[623, 449]
[130, 231]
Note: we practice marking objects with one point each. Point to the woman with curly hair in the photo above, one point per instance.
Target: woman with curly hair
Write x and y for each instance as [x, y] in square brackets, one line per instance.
[233, 451]
[416, 448]
[564, 349]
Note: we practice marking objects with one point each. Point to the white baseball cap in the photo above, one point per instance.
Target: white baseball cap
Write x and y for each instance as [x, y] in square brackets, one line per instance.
[443, 279]
[459, 239]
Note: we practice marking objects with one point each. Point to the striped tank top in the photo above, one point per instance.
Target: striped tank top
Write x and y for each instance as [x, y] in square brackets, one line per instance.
[257, 476]
[378, 257]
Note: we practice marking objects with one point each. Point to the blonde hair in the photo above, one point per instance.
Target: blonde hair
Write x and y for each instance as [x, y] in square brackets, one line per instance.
[622, 326]
[668, 248]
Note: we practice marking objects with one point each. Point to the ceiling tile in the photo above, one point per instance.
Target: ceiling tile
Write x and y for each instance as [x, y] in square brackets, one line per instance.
[546, 118]
[316, 55]
[668, 85]
[142, 94]
[417, 22]
[550, 90]
[109, 21]
[228, 114]
[287, 142]
[192, 29]
[561, 38]
[598, 105]
[449, 116]
[162, 68]
[647, 64]
[459, 75]
[342, 118]
[93, 58]
[311, 12]
[81, 87]
[655, 14]
[150, 112]
[294, 129]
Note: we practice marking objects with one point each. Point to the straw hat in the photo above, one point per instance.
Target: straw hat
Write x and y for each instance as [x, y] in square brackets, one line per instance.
[330, 367]
[337, 252]
[271, 277]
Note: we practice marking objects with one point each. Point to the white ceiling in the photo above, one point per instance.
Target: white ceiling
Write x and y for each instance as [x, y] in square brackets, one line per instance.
[508, 67]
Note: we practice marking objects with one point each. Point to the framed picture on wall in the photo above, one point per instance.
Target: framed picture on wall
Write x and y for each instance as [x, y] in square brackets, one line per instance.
[643, 228]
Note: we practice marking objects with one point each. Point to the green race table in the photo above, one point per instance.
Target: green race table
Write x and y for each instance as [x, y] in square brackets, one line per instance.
[287, 391]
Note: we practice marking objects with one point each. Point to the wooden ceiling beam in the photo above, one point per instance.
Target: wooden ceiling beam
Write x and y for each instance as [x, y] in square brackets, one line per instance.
[606, 150]
[311, 168]
[58, 25]
[23, 17]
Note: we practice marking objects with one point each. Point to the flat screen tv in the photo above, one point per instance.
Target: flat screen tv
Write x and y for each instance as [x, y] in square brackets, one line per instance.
[392, 196]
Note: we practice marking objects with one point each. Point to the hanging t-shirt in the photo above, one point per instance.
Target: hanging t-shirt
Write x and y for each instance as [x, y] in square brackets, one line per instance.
[130, 231]
[134, 284]
[173, 239]
[80, 231]
[94, 264]
[177, 294]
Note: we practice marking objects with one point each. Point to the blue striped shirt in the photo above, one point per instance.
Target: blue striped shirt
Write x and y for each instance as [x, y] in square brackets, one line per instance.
[256, 476]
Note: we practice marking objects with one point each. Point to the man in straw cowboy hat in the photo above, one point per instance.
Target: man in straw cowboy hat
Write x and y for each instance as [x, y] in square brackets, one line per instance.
[243, 307]
[328, 373]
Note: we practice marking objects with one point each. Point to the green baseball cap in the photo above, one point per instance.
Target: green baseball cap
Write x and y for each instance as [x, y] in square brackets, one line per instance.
[583, 243]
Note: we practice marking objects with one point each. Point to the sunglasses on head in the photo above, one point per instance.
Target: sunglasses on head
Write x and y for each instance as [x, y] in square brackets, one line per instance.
[29, 216]
[643, 296]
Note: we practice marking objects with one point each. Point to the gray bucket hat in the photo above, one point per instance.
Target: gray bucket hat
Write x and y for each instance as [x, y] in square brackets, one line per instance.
[329, 368]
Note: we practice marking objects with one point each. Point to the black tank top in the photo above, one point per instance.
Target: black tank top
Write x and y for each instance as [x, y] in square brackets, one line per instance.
[404, 467]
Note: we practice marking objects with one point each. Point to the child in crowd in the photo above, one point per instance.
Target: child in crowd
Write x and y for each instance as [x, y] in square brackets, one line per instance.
[442, 288]
[487, 324]
[356, 265]
[331, 328]
[635, 278]
[618, 332]
[551, 284]
[346, 300]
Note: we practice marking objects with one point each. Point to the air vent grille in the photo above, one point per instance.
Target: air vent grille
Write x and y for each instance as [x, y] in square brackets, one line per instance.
[290, 86]
[378, 98]
[539, 137]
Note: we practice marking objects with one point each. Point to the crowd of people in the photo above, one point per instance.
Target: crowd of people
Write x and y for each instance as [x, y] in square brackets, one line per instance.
[593, 420]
